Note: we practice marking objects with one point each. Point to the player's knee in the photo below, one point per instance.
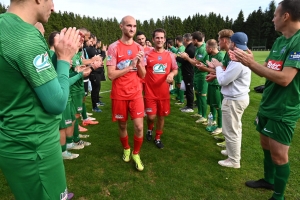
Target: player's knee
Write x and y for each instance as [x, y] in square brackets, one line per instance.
[279, 159]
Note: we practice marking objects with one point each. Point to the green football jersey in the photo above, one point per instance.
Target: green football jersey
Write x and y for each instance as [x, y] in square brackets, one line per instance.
[173, 49]
[180, 50]
[226, 60]
[78, 87]
[219, 56]
[202, 56]
[26, 129]
[283, 103]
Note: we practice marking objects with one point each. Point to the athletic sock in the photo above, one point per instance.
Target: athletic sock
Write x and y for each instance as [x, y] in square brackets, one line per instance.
[219, 111]
[124, 142]
[76, 132]
[203, 105]
[213, 111]
[281, 177]
[69, 140]
[63, 148]
[150, 126]
[269, 168]
[198, 102]
[181, 96]
[137, 144]
[84, 115]
[158, 134]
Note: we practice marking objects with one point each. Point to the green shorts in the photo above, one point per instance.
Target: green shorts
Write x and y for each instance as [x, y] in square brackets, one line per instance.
[279, 131]
[36, 179]
[178, 77]
[68, 116]
[214, 96]
[200, 85]
[77, 102]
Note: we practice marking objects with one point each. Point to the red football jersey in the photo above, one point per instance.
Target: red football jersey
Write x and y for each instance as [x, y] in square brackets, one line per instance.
[128, 86]
[158, 67]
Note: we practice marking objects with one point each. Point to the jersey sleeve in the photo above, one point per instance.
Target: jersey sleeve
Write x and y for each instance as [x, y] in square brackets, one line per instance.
[112, 55]
[202, 56]
[30, 56]
[293, 57]
[174, 63]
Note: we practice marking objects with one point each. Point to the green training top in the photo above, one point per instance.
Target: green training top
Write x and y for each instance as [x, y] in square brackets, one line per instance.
[202, 56]
[26, 129]
[78, 87]
[283, 103]
[226, 60]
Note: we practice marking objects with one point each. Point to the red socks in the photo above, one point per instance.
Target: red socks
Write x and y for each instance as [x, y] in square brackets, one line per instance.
[158, 134]
[124, 142]
[137, 144]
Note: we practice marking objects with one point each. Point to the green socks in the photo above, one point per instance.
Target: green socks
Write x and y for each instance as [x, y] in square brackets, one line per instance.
[181, 95]
[269, 168]
[76, 132]
[83, 113]
[219, 111]
[213, 112]
[63, 148]
[281, 177]
[203, 105]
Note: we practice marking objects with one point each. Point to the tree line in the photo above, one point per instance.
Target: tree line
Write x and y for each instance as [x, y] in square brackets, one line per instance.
[258, 25]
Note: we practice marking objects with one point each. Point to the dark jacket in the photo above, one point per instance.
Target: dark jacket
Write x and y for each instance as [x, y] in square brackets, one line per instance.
[186, 67]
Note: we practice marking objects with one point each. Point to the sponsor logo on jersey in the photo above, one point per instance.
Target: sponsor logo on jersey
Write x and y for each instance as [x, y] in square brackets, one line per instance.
[119, 116]
[77, 62]
[129, 52]
[159, 68]
[64, 195]
[41, 62]
[294, 56]
[108, 57]
[148, 110]
[200, 56]
[159, 58]
[275, 65]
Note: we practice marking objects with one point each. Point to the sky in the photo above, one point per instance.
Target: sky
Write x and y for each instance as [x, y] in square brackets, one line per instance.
[147, 9]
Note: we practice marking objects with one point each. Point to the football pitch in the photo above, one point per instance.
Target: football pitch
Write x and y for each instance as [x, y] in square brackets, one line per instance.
[187, 167]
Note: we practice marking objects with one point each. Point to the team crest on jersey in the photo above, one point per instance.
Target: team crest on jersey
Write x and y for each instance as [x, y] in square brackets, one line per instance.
[283, 50]
[199, 56]
[159, 58]
[77, 62]
[129, 52]
[108, 58]
[295, 56]
[41, 62]
[159, 68]
[275, 65]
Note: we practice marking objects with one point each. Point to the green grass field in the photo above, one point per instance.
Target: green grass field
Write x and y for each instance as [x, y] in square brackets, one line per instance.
[185, 169]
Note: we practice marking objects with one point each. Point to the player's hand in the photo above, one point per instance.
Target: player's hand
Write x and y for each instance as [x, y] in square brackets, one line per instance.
[66, 43]
[80, 68]
[246, 58]
[170, 78]
[140, 56]
[104, 47]
[86, 72]
[210, 77]
[184, 55]
[199, 65]
[96, 64]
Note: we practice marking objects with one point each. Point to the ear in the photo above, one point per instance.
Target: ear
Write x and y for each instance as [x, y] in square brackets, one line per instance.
[286, 16]
[38, 1]
[121, 26]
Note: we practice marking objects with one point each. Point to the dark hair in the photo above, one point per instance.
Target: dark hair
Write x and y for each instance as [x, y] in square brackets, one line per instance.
[93, 36]
[51, 38]
[159, 30]
[292, 7]
[140, 33]
[187, 37]
[170, 42]
[179, 38]
[198, 36]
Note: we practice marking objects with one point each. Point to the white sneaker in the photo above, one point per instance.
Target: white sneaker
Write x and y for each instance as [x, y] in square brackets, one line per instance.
[68, 155]
[187, 110]
[84, 143]
[89, 114]
[201, 120]
[224, 152]
[228, 163]
[91, 118]
[83, 136]
[196, 115]
[216, 132]
[74, 145]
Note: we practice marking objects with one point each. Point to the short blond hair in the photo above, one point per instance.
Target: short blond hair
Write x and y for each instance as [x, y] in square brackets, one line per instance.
[225, 33]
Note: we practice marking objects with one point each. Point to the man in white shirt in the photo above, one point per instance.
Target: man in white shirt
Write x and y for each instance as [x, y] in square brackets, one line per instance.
[235, 82]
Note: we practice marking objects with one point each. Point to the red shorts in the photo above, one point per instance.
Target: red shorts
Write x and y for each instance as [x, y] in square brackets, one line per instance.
[157, 107]
[120, 109]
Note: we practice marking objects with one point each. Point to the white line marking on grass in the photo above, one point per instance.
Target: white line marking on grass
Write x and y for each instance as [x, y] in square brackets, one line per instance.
[105, 91]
